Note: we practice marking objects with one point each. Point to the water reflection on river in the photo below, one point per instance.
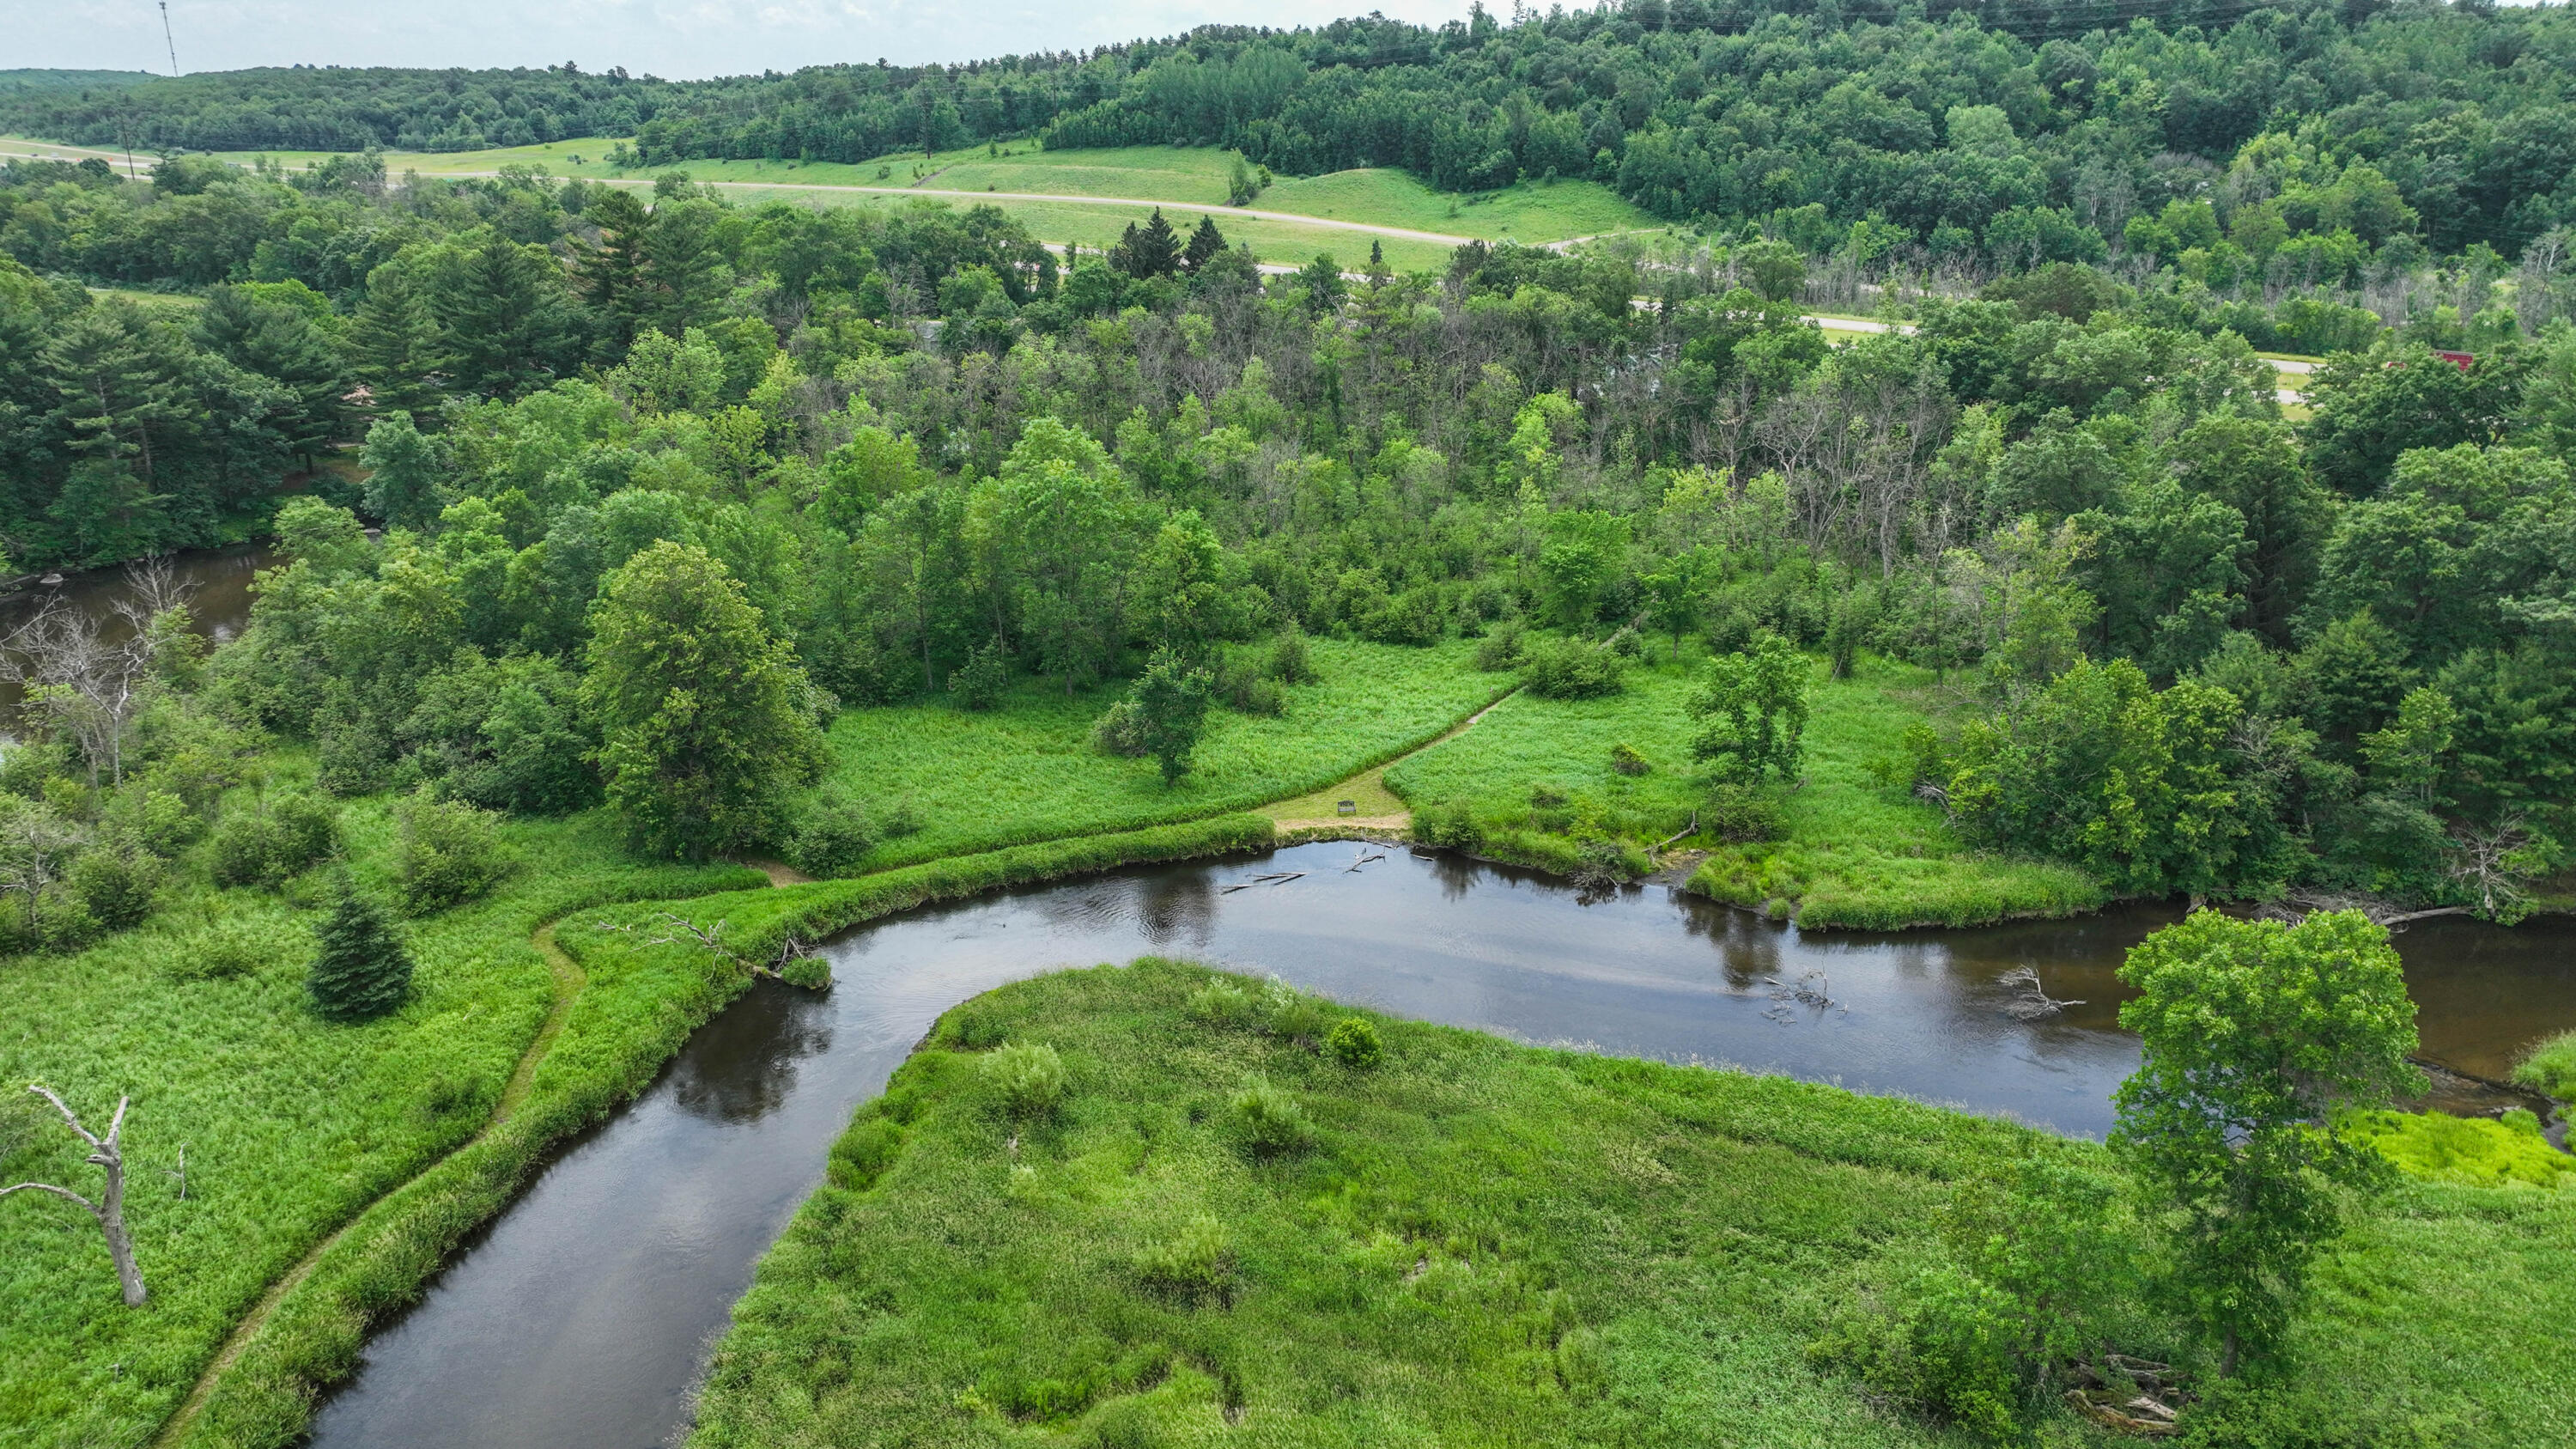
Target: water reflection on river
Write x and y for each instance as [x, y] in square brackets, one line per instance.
[584, 1313]
[217, 579]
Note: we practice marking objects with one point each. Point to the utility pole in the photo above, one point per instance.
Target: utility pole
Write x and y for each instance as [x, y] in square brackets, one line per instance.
[165, 37]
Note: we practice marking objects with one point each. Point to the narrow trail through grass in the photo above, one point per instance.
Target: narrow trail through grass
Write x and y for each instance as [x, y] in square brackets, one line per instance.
[1379, 807]
[569, 979]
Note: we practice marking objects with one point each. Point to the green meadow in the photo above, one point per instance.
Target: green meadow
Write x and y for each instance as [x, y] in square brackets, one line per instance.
[1027, 772]
[288, 1127]
[1851, 849]
[1188, 180]
[1474, 1242]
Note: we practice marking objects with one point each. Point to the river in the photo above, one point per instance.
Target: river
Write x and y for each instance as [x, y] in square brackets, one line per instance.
[217, 581]
[584, 1313]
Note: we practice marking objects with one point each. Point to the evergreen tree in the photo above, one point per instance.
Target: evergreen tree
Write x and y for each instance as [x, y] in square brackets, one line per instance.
[283, 343]
[1205, 242]
[394, 339]
[1152, 251]
[507, 323]
[363, 969]
[612, 274]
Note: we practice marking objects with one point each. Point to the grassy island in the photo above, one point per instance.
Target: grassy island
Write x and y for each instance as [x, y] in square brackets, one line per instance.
[1472, 1241]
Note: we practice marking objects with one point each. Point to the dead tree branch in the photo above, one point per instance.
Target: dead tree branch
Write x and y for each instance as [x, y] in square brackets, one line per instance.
[106, 1152]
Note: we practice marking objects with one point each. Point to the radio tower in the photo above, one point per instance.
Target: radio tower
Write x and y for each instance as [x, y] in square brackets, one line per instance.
[165, 37]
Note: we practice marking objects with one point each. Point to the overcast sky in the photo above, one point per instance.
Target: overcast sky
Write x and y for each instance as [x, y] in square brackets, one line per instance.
[676, 39]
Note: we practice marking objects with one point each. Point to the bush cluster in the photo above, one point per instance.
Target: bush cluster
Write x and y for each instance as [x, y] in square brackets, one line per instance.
[1269, 1119]
[1027, 1078]
[266, 842]
[1571, 669]
[446, 853]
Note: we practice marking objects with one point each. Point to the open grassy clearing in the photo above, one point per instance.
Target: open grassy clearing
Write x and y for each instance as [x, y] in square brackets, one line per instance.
[289, 1125]
[1484, 1243]
[1192, 176]
[1027, 771]
[1853, 851]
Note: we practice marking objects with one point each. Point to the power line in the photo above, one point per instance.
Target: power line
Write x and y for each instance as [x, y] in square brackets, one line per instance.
[165, 37]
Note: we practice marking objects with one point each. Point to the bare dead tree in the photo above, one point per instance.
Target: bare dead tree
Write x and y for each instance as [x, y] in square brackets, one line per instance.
[105, 1152]
[36, 846]
[1808, 435]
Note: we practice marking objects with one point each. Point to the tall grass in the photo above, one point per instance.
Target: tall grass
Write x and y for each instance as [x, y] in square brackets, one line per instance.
[1482, 1243]
[1855, 851]
[1028, 772]
[290, 1126]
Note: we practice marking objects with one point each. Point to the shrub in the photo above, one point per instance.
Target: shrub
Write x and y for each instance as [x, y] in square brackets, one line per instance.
[2551, 1067]
[448, 1093]
[1625, 760]
[1571, 669]
[362, 969]
[1029, 1079]
[1290, 662]
[1270, 1121]
[1195, 1260]
[1291, 1015]
[1741, 814]
[160, 820]
[277, 838]
[1119, 731]
[446, 852]
[114, 880]
[834, 834]
[1500, 650]
[1600, 863]
[984, 678]
[1353, 1042]
[220, 952]
[1247, 689]
[1450, 824]
[1220, 1004]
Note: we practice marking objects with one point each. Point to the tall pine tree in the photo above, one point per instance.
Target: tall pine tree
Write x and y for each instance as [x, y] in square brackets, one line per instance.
[362, 969]
[1205, 243]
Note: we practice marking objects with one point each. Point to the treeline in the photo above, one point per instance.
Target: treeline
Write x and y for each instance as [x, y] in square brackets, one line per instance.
[2006, 135]
[2185, 642]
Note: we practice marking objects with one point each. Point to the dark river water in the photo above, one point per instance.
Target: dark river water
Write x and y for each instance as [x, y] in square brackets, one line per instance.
[584, 1313]
[218, 581]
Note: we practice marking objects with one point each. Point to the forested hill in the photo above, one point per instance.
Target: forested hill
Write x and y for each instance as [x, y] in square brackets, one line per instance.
[2451, 124]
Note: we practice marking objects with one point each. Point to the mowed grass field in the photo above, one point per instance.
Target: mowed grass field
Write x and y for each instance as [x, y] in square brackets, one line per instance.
[1027, 772]
[289, 1125]
[1482, 1243]
[1854, 851]
[1188, 180]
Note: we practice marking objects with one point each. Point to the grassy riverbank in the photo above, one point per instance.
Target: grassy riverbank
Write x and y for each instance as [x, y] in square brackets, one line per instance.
[289, 1126]
[641, 997]
[1483, 1243]
[1537, 775]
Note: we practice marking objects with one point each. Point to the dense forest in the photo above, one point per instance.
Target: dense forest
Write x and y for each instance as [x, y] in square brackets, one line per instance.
[2032, 132]
[2213, 651]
